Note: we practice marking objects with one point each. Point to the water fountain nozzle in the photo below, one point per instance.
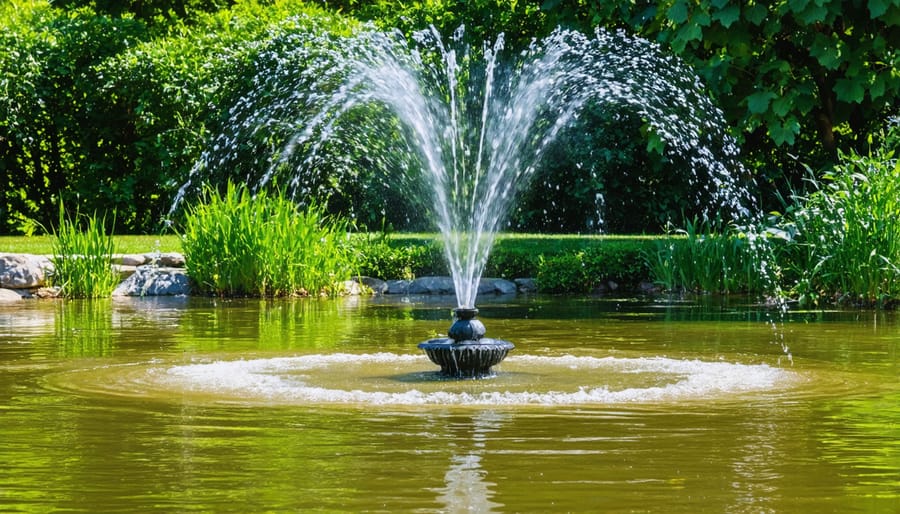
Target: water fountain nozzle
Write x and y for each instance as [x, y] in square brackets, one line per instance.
[466, 353]
[466, 327]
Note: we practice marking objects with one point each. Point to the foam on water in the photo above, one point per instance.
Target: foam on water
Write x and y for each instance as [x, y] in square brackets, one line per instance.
[299, 379]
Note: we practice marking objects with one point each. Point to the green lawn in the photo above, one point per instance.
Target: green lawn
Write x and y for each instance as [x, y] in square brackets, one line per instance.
[540, 243]
[43, 245]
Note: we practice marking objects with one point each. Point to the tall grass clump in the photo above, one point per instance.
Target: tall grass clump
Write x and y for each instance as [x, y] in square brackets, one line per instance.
[846, 232]
[238, 244]
[82, 257]
[716, 257]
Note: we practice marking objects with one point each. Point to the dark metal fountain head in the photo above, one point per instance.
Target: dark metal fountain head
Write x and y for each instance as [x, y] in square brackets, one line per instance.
[466, 353]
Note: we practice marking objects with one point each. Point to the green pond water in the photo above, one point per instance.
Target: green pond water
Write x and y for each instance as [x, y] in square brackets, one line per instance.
[605, 405]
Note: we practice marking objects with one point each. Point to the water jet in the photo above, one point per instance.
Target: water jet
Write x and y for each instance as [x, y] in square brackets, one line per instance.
[460, 132]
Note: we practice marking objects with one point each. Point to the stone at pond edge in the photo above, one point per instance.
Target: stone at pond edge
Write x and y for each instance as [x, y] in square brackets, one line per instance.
[8, 295]
[526, 285]
[22, 271]
[154, 281]
[397, 287]
[444, 286]
[377, 286]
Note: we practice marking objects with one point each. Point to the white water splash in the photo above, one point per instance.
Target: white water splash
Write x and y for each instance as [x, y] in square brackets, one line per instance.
[294, 379]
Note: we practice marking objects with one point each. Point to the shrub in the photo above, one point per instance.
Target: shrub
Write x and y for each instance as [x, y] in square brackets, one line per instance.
[237, 244]
[82, 259]
[390, 258]
[564, 273]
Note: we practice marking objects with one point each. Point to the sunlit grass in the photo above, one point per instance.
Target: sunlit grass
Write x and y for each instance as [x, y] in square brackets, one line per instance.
[43, 245]
[239, 244]
[81, 257]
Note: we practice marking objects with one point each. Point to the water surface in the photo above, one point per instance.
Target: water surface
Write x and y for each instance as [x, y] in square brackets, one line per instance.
[604, 405]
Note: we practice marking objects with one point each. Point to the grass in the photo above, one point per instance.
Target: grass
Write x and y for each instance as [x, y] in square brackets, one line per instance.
[81, 257]
[238, 244]
[43, 245]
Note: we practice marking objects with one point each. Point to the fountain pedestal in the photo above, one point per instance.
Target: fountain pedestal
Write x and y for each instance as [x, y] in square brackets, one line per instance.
[466, 353]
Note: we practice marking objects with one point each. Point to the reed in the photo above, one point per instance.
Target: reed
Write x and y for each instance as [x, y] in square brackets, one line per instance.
[846, 243]
[82, 253]
[716, 257]
[237, 244]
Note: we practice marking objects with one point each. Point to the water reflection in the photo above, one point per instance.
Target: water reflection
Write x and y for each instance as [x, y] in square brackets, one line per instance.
[466, 488]
[82, 430]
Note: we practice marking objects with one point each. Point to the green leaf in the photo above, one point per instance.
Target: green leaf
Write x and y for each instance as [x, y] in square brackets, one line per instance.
[728, 15]
[678, 13]
[826, 51]
[758, 103]
[814, 14]
[849, 90]
[784, 132]
[756, 13]
[876, 90]
[782, 105]
[878, 7]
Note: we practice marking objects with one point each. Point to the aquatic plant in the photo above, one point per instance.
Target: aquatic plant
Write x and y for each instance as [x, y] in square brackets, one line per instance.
[82, 256]
[712, 256]
[236, 243]
[846, 231]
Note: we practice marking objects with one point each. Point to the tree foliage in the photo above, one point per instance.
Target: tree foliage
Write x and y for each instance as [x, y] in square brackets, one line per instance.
[109, 115]
[809, 76]
[108, 104]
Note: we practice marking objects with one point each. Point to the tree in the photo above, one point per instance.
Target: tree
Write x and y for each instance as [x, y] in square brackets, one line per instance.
[146, 9]
[809, 76]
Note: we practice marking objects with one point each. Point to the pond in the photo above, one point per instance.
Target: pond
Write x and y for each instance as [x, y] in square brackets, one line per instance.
[606, 404]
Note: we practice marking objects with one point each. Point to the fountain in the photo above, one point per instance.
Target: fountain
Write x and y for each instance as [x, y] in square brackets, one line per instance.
[466, 353]
[458, 129]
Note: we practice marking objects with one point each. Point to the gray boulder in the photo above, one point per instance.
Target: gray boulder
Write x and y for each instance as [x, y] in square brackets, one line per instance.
[397, 287]
[526, 285]
[432, 285]
[23, 271]
[154, 281]
[377, 286]
[497, 286]
[8, 295]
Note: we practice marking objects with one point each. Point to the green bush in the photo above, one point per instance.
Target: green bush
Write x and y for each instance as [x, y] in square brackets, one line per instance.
[390, 258]
[236, 244]
[82, 257]
[564, 273]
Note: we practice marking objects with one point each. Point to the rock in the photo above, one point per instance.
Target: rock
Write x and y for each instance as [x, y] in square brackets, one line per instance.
[352, 288]
[432, 285]
[8, 295]
[503, 286]
[154, 281]
[377, 286]
[124, 270]
[486, 286]
[397, 287]
[46, 292]
[526, 285]
[647, 287]
[23, 271]
[167, 260]
[131, 259]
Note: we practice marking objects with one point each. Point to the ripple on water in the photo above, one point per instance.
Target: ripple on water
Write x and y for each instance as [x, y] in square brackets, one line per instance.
[400, 379]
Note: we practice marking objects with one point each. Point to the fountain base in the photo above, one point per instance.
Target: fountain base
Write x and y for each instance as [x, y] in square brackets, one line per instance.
[466, 353]
[466, 359]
